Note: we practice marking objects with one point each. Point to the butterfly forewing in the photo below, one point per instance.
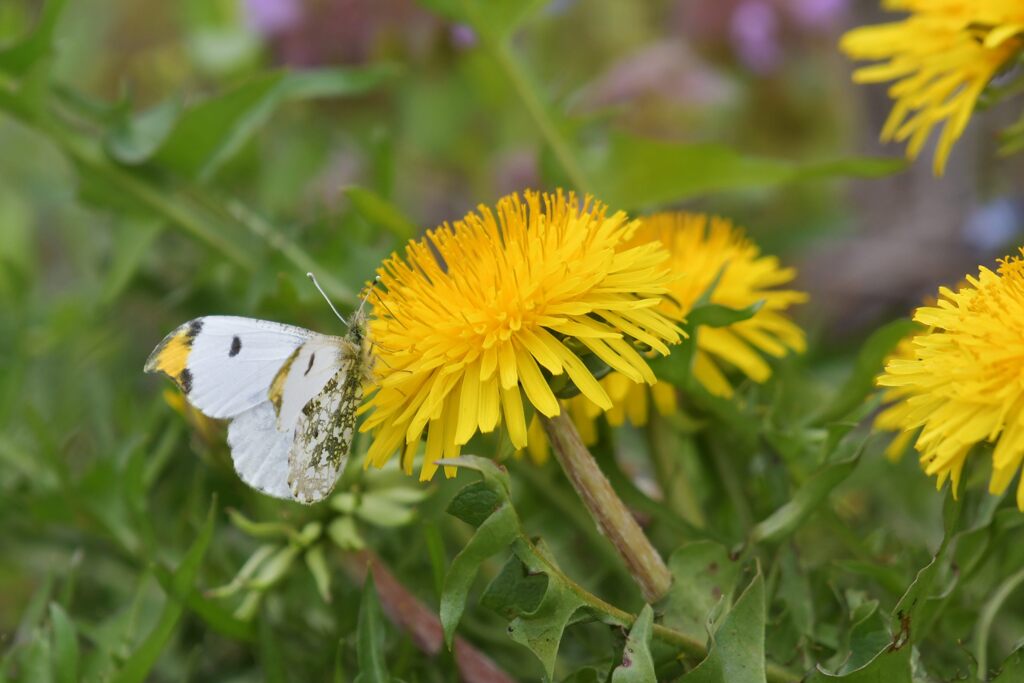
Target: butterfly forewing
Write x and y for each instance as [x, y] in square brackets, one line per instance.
[291, 395]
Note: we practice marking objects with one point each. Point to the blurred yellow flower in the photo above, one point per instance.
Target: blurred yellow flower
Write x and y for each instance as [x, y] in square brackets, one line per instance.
[965, 383]
[712, 259]
[472, 313]
[941, 56]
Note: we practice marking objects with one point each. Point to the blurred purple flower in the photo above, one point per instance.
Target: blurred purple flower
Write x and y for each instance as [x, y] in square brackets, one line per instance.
[754, 29]
[817, 15]
[271, 17]
[463, 36]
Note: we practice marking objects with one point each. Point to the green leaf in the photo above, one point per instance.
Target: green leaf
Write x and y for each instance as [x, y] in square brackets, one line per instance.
[20, 58]
[716, 315]
[491, 471]
[317, 564]
[370, 633]
[380, 212]
[916, 610]
[136, 669]
[1012, 669]
[35, 665]
[475, 503]
[541, 630]
[495, 534]
[208, 135]
[703, 575]
[515, 590]
[788, 518]
[633, 172]
[870, 360]
[736, 653]
[637, 663]
[887, 667]
[65, 645]
[214, 615]
[271, 659]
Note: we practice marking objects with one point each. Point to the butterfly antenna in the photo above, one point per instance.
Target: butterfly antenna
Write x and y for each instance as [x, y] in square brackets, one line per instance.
[371, 289]
[327, 298]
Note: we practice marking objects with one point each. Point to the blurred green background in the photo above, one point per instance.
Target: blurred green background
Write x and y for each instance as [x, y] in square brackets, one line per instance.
[160, 161]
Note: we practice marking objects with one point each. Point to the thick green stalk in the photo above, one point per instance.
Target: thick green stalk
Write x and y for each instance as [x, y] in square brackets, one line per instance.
[613, 519]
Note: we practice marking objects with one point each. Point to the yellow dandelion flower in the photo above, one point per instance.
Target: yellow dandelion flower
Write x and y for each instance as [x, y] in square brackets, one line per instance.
[708, 252]
[941, 56]
[478, 312]
[965, 383]
[892, 416]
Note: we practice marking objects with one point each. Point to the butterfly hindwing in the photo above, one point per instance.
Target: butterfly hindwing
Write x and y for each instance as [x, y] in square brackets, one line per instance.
[323, 435]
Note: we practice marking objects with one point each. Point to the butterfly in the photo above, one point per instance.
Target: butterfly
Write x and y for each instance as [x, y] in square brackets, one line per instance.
[290, 395]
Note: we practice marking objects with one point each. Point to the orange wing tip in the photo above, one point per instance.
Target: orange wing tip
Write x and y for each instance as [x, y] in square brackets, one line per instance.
[171, 355]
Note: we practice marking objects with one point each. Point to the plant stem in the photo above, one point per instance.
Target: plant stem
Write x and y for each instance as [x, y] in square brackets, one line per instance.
[987, 616]
[501, 51]
[612, 517]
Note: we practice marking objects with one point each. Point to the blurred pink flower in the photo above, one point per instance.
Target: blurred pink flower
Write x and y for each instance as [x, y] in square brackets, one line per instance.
[817, 15]
[271, 17]
[754, 31]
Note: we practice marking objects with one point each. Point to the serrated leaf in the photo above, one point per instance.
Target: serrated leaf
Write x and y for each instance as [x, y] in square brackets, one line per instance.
[784, 521]
[380, 212]
[515, 590]
[886, 667]
[65, 645]
[142, 660]
[541, 630]
[19, 58]
[870, 361]
[637, 663]
[736, 654]
[702, 576]
[208, 135]
[491, 471]
[475, 503]
[493, 535]
[633, 172]
[370, 633]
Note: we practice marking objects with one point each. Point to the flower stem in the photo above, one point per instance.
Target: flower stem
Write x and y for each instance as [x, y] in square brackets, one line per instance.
[612, 518]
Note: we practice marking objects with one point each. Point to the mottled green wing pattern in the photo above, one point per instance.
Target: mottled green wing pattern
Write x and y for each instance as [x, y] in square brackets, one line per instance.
[323, 434]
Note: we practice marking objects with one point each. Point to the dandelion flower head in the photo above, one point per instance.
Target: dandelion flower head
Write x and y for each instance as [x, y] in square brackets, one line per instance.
[941, 57]
[481, 313]
[965, 383]
[713, 260]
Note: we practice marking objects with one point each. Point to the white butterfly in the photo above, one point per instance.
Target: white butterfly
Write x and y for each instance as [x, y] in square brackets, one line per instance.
[290, 394]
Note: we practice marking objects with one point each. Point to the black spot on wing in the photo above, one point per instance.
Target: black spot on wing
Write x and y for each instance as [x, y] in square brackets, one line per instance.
[185, 380]
[194, 328]
[236, 346]
[309, 367]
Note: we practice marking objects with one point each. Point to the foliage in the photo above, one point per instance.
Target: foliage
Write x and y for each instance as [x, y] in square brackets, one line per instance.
[130, 551]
